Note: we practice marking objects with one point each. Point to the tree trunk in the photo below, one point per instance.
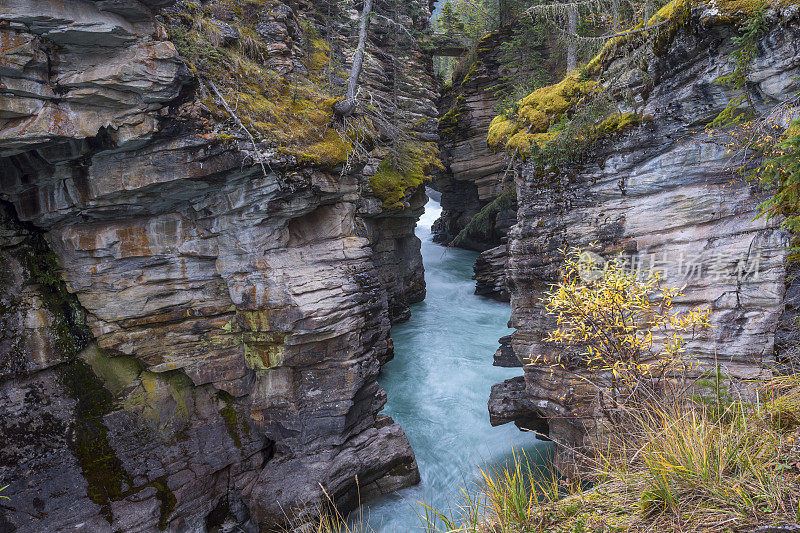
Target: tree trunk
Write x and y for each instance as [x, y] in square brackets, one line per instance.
[649, 10]
[572, 44]
[506, 14]
[615, 14]
[348, 105]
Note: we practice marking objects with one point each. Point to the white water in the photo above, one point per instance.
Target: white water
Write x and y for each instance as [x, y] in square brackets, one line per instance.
[438, 386]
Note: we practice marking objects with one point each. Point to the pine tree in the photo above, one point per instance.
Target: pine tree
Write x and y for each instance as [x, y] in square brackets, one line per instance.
[570, 21]
[449, 21]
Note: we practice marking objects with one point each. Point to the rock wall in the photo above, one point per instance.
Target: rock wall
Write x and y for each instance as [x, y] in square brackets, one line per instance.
[491, 278]
[662, 195]
[473, 174]
[193, 320]
[405, 75]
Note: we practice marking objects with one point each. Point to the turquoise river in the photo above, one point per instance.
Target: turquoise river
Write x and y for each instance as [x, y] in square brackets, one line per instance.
[438, 386]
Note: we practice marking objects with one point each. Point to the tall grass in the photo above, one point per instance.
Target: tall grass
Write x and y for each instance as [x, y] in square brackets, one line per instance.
[505, 498]
[703, 472]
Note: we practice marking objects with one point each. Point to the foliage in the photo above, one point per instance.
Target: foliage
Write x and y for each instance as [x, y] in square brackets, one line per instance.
[621, 321]
[675, 467]
[697, 471]
[713, 393]
[746, 49]
[783, 402]
[513, 491]
[780, 172]
[573, 119]
[762, 148]
[448, 21]
[468, 20]
[480, 222]
[448, 123]
[525, 66]
[1, 490]
[526, 58]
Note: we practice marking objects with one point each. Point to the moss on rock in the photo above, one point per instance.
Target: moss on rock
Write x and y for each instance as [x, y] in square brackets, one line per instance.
[538, 111]
[448, 124]
[293, 113]
[392, 181]
[331, 151]
[235, 426]
[619, 122]
[117, 373]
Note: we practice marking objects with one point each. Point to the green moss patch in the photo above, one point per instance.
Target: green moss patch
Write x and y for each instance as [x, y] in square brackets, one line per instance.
[106, 477]
[293, 113]
[234, 424]
[392, 181]
[448, 124]
[537, 111]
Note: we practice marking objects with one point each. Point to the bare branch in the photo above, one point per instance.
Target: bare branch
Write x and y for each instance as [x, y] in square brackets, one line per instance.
[347, 106]
[238, 123]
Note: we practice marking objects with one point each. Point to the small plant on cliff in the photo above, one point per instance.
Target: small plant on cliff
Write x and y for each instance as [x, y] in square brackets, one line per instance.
[781, 173]
[767, 151]
[480, 224]
[746, 48]
[621, 323]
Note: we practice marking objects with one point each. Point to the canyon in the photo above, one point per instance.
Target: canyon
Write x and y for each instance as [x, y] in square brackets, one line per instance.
[203, 262]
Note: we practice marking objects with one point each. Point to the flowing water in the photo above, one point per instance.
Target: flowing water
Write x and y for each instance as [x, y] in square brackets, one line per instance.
[438, 386]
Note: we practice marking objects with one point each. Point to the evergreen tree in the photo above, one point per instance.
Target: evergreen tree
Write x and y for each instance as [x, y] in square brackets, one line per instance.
[448, 20]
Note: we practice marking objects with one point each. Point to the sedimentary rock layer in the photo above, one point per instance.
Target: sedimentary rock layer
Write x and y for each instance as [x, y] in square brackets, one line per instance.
[188, 337]
[661, 194]
[490, 273]
[474, 173]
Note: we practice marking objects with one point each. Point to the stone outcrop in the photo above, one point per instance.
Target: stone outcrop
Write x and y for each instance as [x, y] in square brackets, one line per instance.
[490, 273]
[474, 173]
[193, 320]
[660, 194]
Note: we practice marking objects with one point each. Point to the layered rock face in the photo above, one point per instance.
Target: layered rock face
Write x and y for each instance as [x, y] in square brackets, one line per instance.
[474, 173]
[403, 75]
[190, 338]
[660, 194]
[491, 278]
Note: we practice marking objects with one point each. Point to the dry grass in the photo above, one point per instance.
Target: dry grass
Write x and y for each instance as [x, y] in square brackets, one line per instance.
[690, 471]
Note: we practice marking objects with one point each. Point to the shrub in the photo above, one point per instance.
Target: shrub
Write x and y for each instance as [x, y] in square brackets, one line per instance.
[621, 322]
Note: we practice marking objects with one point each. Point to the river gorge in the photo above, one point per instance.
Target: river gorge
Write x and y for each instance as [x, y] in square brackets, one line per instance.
[227, 301]
[438, 384]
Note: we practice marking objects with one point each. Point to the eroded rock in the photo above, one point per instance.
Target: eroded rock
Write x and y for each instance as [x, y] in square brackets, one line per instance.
[212, 351]
[660, 194]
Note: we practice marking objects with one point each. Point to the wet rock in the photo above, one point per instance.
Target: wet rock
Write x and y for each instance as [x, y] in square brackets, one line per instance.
[509, 402]
[490, 273]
